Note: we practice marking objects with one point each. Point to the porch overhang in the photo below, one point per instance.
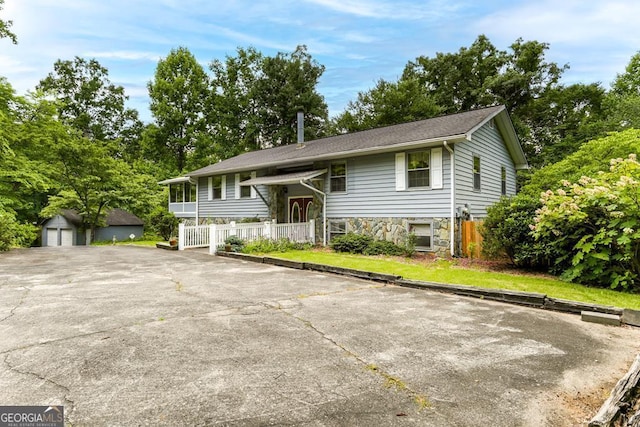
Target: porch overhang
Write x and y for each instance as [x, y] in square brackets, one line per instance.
[178, 180]
[288, 178]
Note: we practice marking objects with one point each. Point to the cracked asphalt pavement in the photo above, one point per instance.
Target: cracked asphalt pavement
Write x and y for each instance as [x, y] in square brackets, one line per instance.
[122, 335]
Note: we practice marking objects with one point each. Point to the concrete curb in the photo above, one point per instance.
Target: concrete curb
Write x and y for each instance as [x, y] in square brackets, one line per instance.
[614, 314]
[515, 297]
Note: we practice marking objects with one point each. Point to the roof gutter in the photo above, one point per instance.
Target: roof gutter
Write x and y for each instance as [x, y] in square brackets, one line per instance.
[324, 209]
[452, 233]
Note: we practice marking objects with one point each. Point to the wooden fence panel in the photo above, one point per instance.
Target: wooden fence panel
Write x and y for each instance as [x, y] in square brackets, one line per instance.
[471, 239]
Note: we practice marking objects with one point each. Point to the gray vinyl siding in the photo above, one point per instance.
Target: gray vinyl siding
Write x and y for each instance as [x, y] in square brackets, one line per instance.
[486, 143]
[231, 207]
[371, 192]
[121, 232]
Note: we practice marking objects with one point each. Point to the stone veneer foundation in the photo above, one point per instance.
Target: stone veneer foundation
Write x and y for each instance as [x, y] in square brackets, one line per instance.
[396, 230]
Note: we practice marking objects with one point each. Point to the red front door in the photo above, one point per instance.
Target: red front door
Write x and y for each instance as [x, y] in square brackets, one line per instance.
[298, 208]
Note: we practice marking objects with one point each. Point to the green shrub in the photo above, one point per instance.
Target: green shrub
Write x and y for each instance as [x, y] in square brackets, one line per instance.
[593, 226]
[506, 231]
[384, 247]
[351, 242]
[362, 244]
[268, 245]
[237, 244]
[14, 234]
[163, 222]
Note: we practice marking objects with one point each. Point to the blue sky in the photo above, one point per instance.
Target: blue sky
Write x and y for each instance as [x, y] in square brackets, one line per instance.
[358, 41]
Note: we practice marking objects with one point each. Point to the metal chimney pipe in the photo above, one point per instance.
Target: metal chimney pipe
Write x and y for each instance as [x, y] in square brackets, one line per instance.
[300, 119]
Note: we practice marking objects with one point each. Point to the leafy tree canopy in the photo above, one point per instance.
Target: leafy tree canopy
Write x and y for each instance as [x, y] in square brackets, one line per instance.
[588, 160]
[178, 95]
[90, 103]
[5, 26]
[255, 100]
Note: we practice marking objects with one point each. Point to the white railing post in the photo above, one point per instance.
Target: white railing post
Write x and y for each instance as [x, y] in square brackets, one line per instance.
[181, 237]
[213, 239]
[312, 231]
[233, 228]
[267, 230]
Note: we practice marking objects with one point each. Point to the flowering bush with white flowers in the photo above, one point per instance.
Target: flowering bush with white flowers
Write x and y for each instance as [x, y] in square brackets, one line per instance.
[593, 227]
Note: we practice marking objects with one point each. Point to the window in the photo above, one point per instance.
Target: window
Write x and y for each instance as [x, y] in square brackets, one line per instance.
[245, 190]
[476, 173]
[217, 187]
[337, 228]
[503, 178]
[422, 232]
[176, 193]
[338, 177]
[418, 169]
[179, 193]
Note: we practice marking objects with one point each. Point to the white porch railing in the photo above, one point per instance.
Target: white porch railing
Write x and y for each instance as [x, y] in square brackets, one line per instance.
[214, 235]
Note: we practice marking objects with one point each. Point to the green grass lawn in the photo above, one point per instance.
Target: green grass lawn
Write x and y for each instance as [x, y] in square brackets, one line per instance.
[447, 271]
[150, 243]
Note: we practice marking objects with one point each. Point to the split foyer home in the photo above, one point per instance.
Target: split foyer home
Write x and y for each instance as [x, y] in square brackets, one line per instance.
[421, 177]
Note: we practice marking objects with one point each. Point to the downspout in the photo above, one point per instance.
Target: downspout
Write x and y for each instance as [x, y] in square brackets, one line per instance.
[197, 200]
[324, 210]
[452, 236]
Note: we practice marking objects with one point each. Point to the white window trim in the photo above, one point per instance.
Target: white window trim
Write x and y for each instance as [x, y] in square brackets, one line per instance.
[436, 170]
[339, 176]
[336, 221]
[473, 174]
[210, 188]
[238, 187]
[401, 171]
[430, 224]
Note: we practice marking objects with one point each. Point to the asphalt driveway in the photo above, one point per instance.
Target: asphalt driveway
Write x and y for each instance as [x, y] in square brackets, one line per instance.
[140, 336]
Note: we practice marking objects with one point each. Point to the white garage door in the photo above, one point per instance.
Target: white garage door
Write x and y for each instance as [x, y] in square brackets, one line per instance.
[67, 237]
[52, 237]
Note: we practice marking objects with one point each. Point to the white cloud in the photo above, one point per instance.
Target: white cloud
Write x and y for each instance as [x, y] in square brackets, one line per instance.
[393, 10]
[569, 21]
[358, 37]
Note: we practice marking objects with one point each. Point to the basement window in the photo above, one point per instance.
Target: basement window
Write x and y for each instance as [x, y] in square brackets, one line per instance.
[424, 235]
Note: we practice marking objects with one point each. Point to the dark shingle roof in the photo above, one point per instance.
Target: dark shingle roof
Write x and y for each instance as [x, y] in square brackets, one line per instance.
[114, 217]
[120, 217]
[438, 128]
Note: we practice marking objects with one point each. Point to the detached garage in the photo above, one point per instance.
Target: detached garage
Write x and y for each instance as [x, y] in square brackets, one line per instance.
[65, 229]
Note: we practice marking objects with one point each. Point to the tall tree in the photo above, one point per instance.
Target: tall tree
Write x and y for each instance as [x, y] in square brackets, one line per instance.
[92, 182]
[89, 102]
[28, 129]
[561, 120]
[178, 94]
[460, 81]
[478, 76]
[255, 100]
[386, 104]
[622, 103]
[288, 85]
[232, 109]
[5, 26]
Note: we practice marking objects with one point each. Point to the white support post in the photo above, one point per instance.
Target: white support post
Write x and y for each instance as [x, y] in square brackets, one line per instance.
[232, 232]
[267, 230]
[181, 236]
[213, 238]
[312, 231]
